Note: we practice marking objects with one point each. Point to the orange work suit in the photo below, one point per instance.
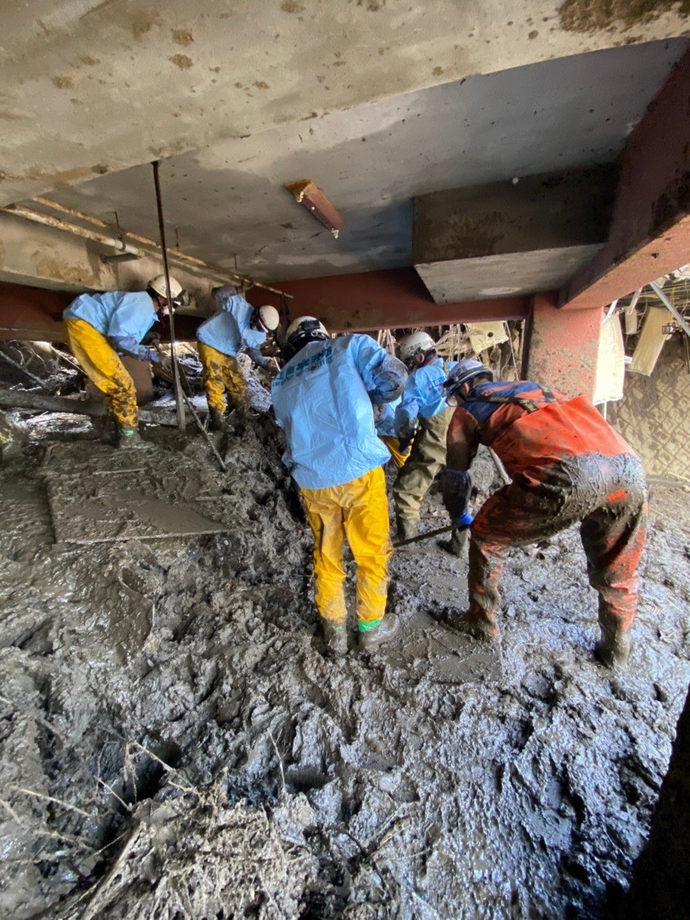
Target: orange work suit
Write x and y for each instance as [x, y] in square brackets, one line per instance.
[567, 465]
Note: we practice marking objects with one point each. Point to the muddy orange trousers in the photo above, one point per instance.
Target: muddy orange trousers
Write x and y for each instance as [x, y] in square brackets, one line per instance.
[104, 368]
[606, 494]
[223, 373]
[358, 511]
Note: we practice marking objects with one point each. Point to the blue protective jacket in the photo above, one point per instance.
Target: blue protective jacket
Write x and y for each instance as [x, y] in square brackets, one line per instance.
[323, 402]
[122, 317]
[422, 395]
[229, 330]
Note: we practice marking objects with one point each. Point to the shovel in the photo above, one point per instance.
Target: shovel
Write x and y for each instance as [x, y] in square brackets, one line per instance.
[461, 524]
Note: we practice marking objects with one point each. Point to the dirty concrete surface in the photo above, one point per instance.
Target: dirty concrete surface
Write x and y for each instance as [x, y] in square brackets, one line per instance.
[174, 744]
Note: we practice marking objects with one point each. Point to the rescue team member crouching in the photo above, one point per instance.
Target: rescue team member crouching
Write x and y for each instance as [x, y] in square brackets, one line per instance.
[101, 325]
[567, 465]
[323, 402]
[421, 420]
[236, 327]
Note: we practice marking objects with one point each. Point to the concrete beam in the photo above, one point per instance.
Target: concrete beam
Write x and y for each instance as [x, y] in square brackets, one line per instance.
[389, 299]
[650, 226]
[562, 348]
[532, 233]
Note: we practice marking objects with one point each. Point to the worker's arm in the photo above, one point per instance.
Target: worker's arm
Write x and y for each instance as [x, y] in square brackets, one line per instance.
[128, 345]
[384, 376]
[463, 440]
[227, 299]
[455, 481]
[413, 398]
[260, 360]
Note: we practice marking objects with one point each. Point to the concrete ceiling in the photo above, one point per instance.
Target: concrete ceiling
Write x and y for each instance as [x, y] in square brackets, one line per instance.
[95, 86]
[376, 101]
[228, 199]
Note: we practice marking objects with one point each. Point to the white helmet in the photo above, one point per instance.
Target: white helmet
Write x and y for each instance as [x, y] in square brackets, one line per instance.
[269, 318]
[158, 285]
[301, 331]
[415, 344]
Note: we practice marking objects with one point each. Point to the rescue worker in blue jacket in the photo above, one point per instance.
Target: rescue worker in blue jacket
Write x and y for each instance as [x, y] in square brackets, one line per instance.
[99, 326]
[323, 402]
[236, 327]
[422, 420]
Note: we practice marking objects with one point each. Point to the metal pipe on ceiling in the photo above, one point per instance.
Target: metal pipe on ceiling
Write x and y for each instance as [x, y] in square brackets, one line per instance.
[49, 221]
[191, 262]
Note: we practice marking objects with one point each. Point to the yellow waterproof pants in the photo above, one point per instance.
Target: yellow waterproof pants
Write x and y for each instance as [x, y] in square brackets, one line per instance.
[393, 445]
[357, 510]
[221, 373]
[103, 367]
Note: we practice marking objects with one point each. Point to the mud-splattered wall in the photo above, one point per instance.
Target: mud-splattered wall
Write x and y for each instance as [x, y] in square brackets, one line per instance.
[654, 414]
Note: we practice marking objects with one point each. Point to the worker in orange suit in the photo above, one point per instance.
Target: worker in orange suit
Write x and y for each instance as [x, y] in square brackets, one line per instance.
[567, 465]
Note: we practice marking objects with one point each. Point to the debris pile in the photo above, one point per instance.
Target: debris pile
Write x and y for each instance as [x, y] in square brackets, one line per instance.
[196, 855]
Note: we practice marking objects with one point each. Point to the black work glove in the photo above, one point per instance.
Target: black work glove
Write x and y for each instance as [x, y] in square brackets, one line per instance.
[456, 486]
[152, 339]
[406, 437]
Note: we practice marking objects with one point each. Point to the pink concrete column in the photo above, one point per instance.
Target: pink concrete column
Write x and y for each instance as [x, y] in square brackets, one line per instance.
[562, 346]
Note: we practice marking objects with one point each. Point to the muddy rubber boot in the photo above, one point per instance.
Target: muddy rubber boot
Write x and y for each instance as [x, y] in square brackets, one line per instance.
[613, 648]
[475, 625]
[334, 638]
[130, 439]
[407, 528]
[388, 628]
[457, 543]
[216, 421]
[239, 423]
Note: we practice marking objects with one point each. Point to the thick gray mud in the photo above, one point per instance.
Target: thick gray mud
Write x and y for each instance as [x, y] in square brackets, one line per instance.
[174, 743]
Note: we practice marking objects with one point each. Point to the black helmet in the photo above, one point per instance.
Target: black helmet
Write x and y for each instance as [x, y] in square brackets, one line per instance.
[465, 370]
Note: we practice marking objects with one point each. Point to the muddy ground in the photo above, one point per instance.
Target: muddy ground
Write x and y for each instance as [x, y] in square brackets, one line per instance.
[174, 744]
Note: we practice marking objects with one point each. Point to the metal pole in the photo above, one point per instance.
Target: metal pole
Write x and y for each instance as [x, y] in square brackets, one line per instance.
[179, 402]
[677, 315]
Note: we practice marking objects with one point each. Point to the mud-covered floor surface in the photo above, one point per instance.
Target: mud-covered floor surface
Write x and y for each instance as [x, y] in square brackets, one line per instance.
[174, 744]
